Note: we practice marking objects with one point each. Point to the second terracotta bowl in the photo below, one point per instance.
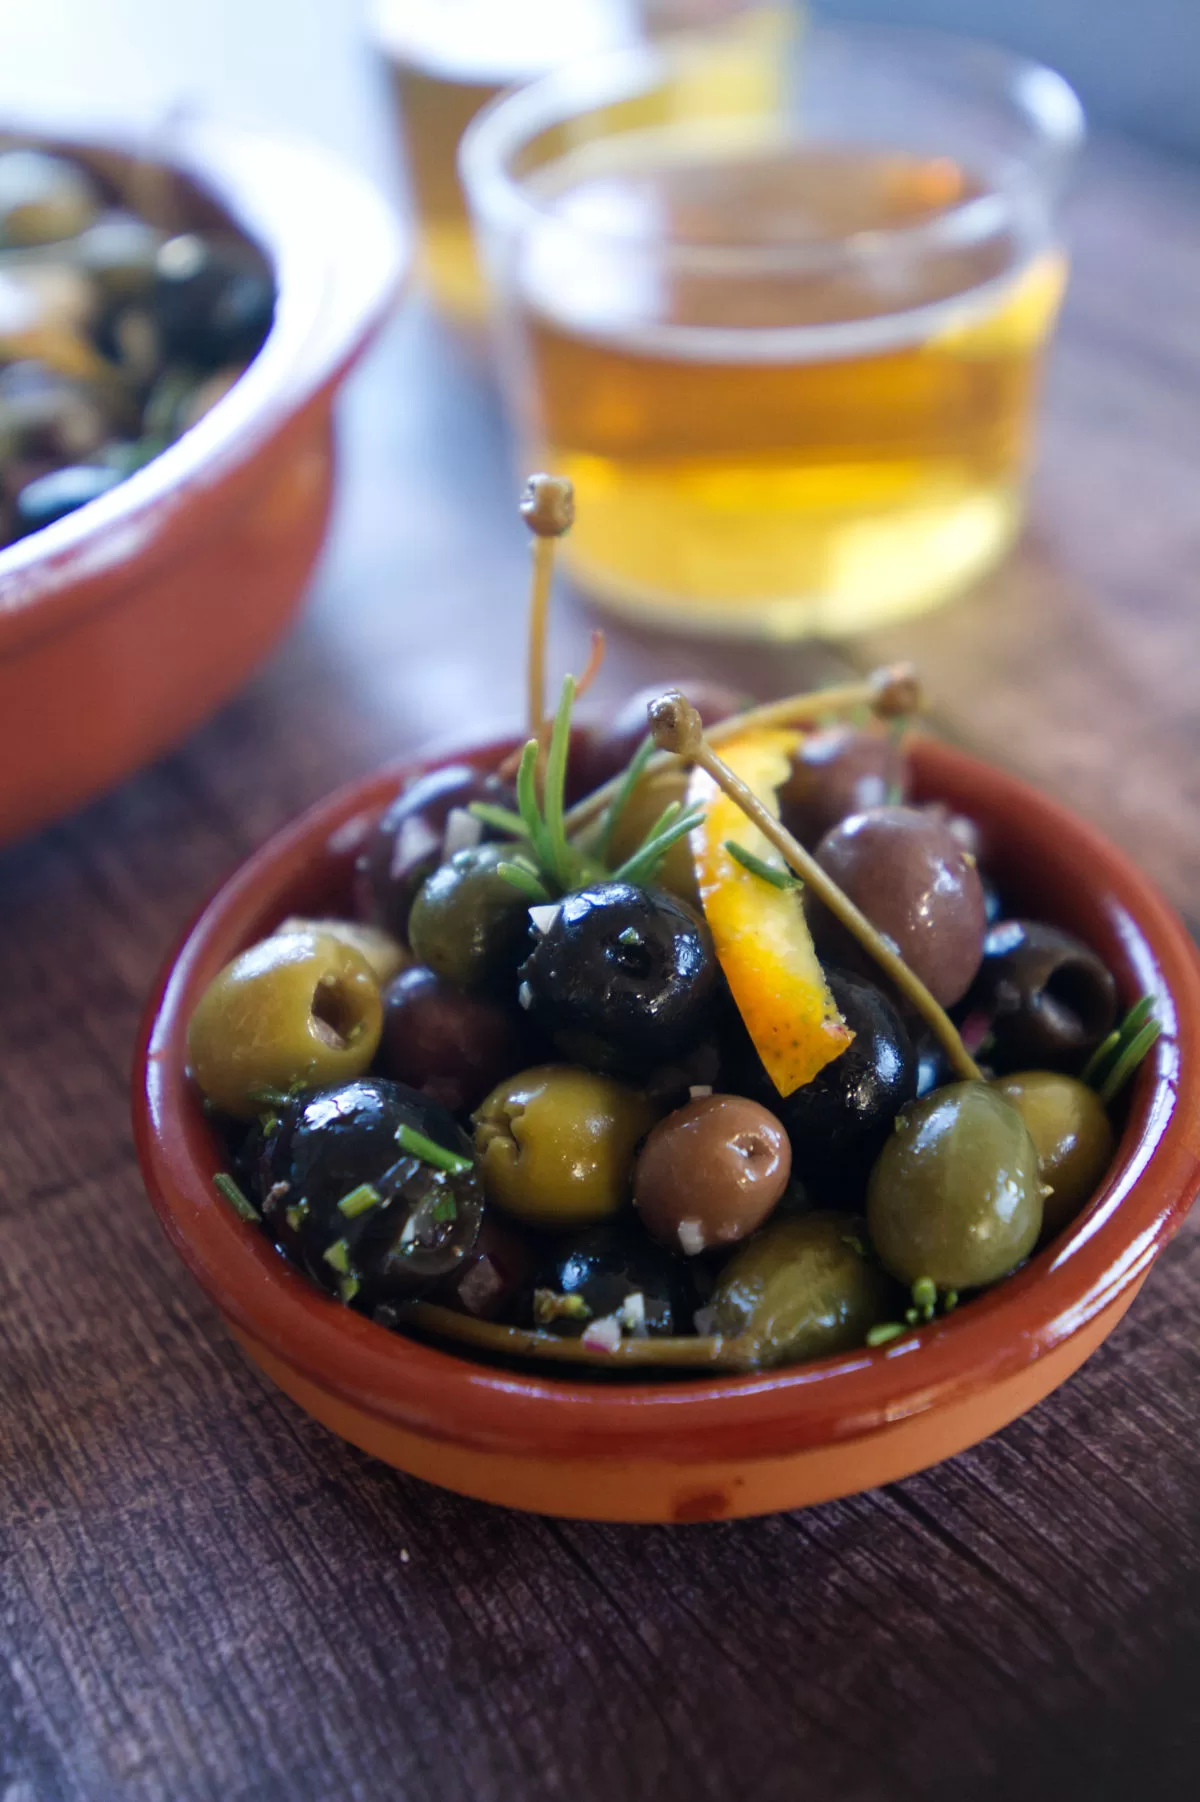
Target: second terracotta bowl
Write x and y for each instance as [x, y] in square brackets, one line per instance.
[715, 1447]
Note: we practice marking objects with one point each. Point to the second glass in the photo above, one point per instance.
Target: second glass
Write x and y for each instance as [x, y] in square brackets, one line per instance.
[784, 337]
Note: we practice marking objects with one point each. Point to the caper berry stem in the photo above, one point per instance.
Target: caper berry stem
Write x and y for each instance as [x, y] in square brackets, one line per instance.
[676, 727]
[692, 1351]
[548, 509]
[892, 692]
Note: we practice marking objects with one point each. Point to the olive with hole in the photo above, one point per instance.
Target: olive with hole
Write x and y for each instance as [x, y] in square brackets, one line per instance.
[297, 1010]
[452, 1044]
[1073, 1136]
[838, 771]
[956, 1193]
[406, 844]
[371, 1218]
[801, 1288]
[556, 1145]
[468, 923]
[710, 1173]
[624, 978]
[911, 878]
[1049, 998]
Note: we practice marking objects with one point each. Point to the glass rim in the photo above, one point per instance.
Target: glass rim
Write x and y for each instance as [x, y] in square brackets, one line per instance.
[1049, 106]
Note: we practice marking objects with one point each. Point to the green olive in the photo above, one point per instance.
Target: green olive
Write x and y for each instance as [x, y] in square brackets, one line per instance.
[385, 954]
[638, 818]
[956, 1193]
[1073, 1136]
[556, 1145]
[300, 1010]
[799, 1289]
[468, 923]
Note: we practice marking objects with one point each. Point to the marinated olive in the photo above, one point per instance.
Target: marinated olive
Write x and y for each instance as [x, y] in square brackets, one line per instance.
[603, 752]
[213, 300]
[468, 923]
[909, 875]
[118, 252]
[848, 1109]
[637, 820]
[837, 772]
[386, 955]
[297, 1010]
[370, 1217]
[956, 1195]
[407, 844]
[63, 491]
[43, 198]
[612, 1269]
[711, 1172]
[1073, 1136]
[1049, 998]
[623, 979]
[498, 1268]
[46, 415]
[556, 1145]
[450, 1044]
[801, 1288]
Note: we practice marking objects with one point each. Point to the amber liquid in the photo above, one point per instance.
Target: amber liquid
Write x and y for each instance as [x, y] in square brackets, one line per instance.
[779, 451]
[449, 58]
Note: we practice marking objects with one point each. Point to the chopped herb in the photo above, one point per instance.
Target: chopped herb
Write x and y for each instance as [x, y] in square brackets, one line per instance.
[445, 1208]
[269, 1098]
[924, 1294]
[501, 819]
[337, 1256]
[549, 1305]
[242, 1207]
[429, 1152]
[757, 866]
[268, 1123]
[629, 936]
[296, 1216]
[348, 1288]
[360, 1201]
[912, 1315]
[949, 1301]
[528, 881]
[883, 1335]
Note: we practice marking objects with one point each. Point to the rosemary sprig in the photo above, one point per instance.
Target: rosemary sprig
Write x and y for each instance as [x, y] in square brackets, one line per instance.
[527, 803]
[500, 819]
[522, 875]
[768, 872]
[673, 824]
[234, 1195]
[629, 781]
[553, 804]
[1117, 1057]
[430, 1152]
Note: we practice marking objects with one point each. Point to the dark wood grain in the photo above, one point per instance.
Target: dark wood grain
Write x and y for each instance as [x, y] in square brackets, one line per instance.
[206, 1596]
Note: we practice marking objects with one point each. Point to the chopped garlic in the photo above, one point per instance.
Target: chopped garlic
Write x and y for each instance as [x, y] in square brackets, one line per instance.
[632, 1315]
[691, 1237]
[544, 916]
[700, 1091]
[603, 1335]
[525, 995]
[463, 831]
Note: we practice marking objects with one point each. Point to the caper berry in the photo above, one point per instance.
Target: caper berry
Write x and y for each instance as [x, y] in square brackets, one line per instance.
[800, 1288]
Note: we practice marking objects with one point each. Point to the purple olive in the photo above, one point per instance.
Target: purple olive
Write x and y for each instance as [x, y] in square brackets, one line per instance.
[837, 772]
[407, 842]
[452, 1046]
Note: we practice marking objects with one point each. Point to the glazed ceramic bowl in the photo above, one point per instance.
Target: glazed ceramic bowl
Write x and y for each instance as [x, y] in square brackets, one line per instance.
[125, 624]
[706, 1448]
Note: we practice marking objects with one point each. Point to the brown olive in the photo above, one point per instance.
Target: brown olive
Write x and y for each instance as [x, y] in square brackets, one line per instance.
[556, 1145]
[407, 843]
[300, 1010]
[1048, 996]
[801, 1288]
[837, 772]
[638, 818]
[912, 879]
[711, 1172]
[451, 1045]
[1073, 1136]
[956, 1193]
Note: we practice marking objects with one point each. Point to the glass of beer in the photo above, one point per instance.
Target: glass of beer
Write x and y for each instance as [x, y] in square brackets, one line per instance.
[784, 337]
[448, 58]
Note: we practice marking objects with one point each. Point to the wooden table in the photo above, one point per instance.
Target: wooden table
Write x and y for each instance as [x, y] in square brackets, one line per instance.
[206, 1596]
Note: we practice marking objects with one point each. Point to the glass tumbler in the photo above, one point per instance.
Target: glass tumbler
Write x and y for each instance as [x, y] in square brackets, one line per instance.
[448, 58]
[784, 336]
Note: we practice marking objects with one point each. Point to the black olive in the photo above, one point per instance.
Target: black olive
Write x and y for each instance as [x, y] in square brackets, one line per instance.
[212, 300]
[1049, 998]
[602, 1272]
[365, 1217]
[623, 980]
[845, 1113]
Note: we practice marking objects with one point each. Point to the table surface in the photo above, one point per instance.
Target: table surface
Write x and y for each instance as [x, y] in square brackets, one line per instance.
[205, 1595]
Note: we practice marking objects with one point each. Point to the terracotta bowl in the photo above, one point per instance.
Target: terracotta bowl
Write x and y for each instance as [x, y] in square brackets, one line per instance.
[125, 624]
[707, 1448]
